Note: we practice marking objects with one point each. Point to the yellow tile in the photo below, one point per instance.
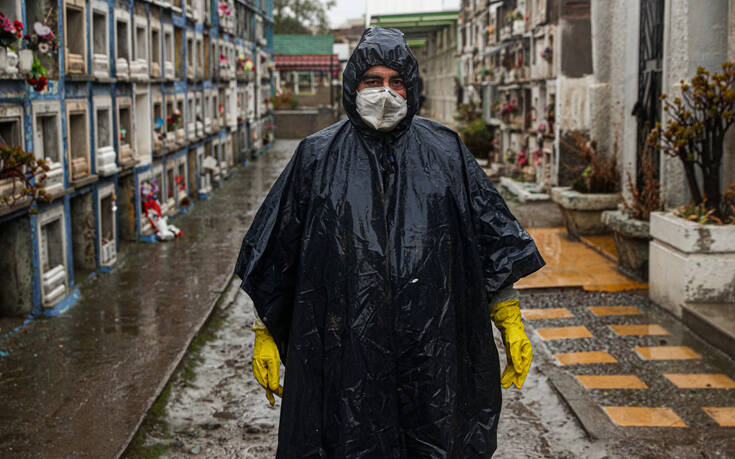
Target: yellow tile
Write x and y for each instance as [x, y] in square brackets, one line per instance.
[546, 313]
[641, 416]
[564, 333]
[701, 381]
[611, 382]
[666, 353]
[575, 358]
[604, 243]
[614, 310]
[638, 330]
[723, 415]
[573, 264]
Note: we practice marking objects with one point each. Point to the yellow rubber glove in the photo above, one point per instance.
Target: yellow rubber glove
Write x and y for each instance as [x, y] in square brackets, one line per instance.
[267, 364]
[507, 317]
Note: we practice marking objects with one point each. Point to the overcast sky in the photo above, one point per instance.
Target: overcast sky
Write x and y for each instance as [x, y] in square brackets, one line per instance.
[349, 9]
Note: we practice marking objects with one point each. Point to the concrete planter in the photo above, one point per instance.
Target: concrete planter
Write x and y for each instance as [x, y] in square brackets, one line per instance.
[691, 263]
[631, 240]
[582, 212]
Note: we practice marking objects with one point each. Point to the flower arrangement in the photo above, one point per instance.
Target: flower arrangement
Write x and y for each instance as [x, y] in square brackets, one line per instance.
[519, 61]
[224, 9]
[508, 108]
[27, 173]
[547, 54]
[490, 29]
[38, 76]
[172, 122]
[223, 62]
[42, 40]
[10, 31]
[537, 155]
[541, 128]
[515, 15]
[521, 159]
[244, 64]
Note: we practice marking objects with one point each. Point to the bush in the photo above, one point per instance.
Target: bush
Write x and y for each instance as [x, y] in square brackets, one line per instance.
[646, 196]
[478, 138]
[284, 99]
[599, 174]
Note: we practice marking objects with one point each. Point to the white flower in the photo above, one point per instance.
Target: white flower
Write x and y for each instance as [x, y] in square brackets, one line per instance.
[43, 48]
[41, 29]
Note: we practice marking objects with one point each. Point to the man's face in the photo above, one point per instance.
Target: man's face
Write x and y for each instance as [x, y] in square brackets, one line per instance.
[379, 76]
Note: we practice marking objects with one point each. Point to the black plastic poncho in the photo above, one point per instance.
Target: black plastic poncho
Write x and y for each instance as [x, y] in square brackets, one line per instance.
[371, 262]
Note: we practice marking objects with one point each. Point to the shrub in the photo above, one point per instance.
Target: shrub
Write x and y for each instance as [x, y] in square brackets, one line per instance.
[599, 174]
[478, 138]
[695, 133]
[646, 196]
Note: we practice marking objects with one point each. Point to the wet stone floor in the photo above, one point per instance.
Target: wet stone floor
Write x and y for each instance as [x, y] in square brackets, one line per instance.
[613, 375]
[650, 387]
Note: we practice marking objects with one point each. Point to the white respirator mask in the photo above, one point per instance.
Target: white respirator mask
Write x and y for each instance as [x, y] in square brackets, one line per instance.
[381, 108]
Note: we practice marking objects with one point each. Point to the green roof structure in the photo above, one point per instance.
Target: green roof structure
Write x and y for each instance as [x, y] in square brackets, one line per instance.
[296, 44]
[416, 26]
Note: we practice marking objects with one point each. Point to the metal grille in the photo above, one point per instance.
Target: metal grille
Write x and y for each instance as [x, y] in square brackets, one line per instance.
[648, 108]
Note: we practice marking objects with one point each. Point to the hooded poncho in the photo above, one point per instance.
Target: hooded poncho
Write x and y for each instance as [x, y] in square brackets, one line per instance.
[371, 262]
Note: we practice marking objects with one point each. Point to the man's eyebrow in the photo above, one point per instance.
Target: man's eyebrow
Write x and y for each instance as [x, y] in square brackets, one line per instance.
[368, 76]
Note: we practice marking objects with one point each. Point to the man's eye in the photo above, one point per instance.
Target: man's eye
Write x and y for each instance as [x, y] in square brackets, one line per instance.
[397, 84]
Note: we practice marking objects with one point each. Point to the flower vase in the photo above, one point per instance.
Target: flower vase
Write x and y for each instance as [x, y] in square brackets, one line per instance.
[25, 61]
[3, 59]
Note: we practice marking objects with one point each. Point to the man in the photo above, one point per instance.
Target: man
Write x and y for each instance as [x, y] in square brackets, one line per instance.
[375, 264]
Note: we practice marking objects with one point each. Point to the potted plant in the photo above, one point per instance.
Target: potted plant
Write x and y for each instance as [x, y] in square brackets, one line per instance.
[630, 223]
[692, 255]
[594, 191]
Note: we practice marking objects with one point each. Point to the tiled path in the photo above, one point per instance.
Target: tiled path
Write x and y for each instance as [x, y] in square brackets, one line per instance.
[640, 373]
[572, 264]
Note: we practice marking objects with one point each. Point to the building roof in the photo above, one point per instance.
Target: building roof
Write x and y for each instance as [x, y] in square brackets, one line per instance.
[294, 44]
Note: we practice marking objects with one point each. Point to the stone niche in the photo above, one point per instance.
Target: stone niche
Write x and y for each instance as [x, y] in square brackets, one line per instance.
[16, 264]
[205, 165]
[100, 44]
[52, 249]
[47, 142]
[107, 224]
[75, 37]
[169, 51]
[77, 138]
[199, 55]
[180, 101]
[170, 183]
[191, 115]
[105, 148]
[11, 134]
[123, 44]
[139, 64]
[157, 114]
[199, 113]
[126, 133]
[126, 206]
[190, 59]
[181, 177]
[156, 46]
[142, 127]
[83, 235]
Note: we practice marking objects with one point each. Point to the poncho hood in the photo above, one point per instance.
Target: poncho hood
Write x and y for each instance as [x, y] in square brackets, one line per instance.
[388, 47]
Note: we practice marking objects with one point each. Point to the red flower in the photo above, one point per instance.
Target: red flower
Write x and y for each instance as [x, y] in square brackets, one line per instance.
[44, 80]
[170, 120]
[32, 81]
[18, 25]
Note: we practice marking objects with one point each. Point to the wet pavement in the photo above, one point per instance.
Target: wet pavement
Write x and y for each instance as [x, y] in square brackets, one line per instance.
[222, 412]
[119, 345]
[78, 385]
[570, 263]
